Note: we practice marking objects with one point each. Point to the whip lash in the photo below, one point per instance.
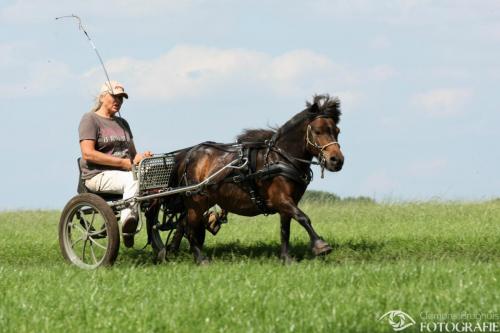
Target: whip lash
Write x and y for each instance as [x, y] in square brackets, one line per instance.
[82, 28]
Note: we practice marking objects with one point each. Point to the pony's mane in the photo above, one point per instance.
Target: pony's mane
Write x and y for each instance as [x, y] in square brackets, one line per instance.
[321, 106]
[255, 135]
[326, 106]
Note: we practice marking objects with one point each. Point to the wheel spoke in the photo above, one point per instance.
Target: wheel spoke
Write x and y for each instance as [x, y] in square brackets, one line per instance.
[92, 252]
[84, 220]
[83, 251]
[96, 243]
[87, 224]
[78, 227]
[98, 232]
[92, 221]
[76, 241]
[84, 223]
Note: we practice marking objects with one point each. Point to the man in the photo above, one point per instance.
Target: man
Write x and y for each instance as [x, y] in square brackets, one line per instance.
[108, 152]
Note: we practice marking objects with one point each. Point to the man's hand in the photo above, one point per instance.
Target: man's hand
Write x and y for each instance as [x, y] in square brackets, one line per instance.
[138, 157]
[125, 164]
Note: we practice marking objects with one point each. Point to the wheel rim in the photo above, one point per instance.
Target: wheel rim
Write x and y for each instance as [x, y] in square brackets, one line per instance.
[86, 236]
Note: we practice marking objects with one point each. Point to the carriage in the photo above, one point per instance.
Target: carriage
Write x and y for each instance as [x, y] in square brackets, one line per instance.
[89, 235]
[264, 172]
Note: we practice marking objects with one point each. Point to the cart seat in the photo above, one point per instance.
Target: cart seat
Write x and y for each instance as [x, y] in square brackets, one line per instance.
[83, 189]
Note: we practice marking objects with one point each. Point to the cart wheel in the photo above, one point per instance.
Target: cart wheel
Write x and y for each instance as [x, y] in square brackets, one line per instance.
[88, 232]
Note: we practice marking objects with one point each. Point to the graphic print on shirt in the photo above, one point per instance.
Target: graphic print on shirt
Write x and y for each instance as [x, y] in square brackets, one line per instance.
[113, 141]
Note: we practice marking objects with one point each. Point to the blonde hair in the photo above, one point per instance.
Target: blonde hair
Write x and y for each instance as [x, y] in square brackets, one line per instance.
[97, 102]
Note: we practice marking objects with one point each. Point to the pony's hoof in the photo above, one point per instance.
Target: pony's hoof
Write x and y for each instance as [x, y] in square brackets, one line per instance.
[287, 260]
[161, 256]
[203, 262]
[321, 248]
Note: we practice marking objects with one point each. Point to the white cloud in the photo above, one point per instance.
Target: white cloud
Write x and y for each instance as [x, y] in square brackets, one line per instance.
[185, 71]
[304, 71]
[198, 71]
[442, 102]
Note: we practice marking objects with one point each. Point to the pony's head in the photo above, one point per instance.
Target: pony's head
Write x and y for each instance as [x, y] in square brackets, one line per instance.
[322, 131]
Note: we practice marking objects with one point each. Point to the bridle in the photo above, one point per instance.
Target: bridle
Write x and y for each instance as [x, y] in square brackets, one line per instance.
[321, 148]
[314, 144]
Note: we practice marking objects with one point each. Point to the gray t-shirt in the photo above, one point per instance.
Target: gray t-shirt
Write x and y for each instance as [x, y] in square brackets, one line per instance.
[112, 136]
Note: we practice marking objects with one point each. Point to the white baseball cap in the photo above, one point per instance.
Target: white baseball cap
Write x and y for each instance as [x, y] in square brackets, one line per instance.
[116, 88]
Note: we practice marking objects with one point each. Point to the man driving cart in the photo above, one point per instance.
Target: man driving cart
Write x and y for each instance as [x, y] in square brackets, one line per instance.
[108, 153]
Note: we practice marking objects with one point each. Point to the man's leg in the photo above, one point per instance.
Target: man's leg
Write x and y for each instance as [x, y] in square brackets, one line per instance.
[119, 182]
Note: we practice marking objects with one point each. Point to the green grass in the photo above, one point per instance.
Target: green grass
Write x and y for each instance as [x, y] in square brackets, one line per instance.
[419, 257]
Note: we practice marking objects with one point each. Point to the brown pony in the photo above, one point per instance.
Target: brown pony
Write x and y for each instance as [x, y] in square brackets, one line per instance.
[273, 179]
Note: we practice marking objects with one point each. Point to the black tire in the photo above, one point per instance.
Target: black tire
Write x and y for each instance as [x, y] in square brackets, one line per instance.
[88, 232]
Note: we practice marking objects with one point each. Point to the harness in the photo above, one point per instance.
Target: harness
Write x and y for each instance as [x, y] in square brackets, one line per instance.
[289, 166]
[249, 176]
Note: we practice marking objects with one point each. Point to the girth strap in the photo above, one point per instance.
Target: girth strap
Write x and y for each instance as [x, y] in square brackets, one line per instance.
[251, 182]
[272, 170]
[269, 171]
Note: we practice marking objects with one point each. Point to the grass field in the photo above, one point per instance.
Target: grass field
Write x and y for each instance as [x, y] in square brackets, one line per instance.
[419, 257]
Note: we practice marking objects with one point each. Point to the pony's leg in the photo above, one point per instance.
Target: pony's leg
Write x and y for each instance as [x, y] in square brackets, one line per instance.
[151, 215]
[285, 239]
[178, 234]
[196, 235]
[318, 245]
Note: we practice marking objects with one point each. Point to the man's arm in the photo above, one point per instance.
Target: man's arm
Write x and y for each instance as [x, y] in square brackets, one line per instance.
[90, 154]
[138, 156]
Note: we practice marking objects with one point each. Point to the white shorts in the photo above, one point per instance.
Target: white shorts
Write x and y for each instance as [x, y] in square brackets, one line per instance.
[115, 181]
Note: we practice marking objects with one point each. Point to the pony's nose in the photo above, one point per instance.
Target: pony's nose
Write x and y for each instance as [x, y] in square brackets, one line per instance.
[336, 162]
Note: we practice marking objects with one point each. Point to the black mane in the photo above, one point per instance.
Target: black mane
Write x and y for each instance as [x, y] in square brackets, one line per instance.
[325, 106]
[255, 135]
[321, 106]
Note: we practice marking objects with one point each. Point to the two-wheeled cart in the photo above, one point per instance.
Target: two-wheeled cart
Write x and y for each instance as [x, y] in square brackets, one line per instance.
[89, 233]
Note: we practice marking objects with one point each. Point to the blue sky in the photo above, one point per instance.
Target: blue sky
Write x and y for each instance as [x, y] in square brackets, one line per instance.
[418, 82]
